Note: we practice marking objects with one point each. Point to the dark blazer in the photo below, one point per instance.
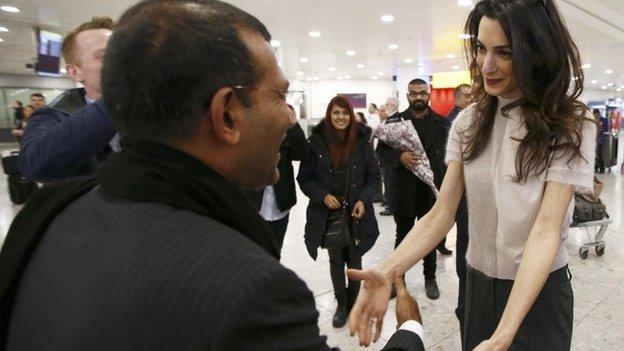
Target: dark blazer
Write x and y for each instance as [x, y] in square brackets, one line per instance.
[315, 181]
[294, 147]
[112, 274]
[408, 186]
[66, 139]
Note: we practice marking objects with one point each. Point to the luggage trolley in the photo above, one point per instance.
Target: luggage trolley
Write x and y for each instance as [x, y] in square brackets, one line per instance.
[598, 229]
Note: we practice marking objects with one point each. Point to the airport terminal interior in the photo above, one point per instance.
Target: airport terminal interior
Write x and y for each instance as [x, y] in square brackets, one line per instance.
[369, 51]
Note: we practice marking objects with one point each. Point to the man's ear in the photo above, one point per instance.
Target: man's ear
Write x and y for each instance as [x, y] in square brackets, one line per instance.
[226, 116]
[74, 72]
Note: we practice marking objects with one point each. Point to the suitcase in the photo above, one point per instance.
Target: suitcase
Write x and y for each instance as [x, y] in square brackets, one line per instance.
[20, 188]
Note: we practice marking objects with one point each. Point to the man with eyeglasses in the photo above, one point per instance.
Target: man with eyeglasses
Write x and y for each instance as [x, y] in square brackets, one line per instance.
[414, 198]
[163, 251]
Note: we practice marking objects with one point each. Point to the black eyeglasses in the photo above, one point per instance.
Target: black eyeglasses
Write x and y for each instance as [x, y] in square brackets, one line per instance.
[283, 95]
[414, 94]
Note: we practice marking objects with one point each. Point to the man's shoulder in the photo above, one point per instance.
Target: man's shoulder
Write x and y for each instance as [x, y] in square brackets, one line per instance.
[439, 119]
[69, 102]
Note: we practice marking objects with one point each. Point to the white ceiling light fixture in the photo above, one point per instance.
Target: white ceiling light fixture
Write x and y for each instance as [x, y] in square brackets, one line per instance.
[455, 67]
[374, 77]
[618, 89]
[360, 65]
[387, 18]
[465, 36]
[351, 52]
[594, 81]
[347, 76]
[393, 46]
[380, 74]
[604, 87]
[314, 34]
[332, 69]
[304, 60]
[275, 43]
[610, 84]
[11, 9]
[315, 79]
[300, 73]
[421, 65]
[450, 56]
[609, 71]
[408, 60]
[586, 66]
[1, 40]
[465, 3]
[4, 29]
[340, 77]
[308, 79]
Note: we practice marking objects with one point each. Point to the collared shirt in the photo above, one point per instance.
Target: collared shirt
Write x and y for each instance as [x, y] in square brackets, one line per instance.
[503, 212]
[269, 210]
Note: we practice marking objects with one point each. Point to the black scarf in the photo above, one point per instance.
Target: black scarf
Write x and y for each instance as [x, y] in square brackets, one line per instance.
[142, 172]
[151, 172]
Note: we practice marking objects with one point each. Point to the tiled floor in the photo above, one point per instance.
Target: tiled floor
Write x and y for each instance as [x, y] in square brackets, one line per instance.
[598, 281]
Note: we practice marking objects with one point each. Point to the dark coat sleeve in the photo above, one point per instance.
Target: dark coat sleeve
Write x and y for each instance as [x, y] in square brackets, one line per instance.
[273, 311]
[54, 147]
[296, 143]
[308, 182]
[387, 155]
[404, 340]
[373, 176]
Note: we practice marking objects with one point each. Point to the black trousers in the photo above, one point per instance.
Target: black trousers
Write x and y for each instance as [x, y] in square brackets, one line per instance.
[339, 258]
[279, 228]
[404, 223]
[461, 247]
[547, 326]
[389, 179]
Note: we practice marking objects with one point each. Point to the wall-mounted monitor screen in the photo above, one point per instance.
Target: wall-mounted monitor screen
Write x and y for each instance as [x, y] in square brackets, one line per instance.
[48, 53]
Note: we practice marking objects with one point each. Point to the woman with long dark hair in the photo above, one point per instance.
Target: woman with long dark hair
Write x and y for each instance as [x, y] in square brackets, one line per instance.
[520, 152]
[339, 177]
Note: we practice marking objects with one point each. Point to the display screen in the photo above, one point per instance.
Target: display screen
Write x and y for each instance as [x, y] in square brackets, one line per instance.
[48, 52]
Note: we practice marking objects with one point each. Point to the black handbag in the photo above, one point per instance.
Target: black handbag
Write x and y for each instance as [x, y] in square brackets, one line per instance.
[338, 227]
[587, 211]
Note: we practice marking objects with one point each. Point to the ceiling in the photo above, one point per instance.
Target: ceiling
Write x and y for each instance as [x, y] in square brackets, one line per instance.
[425, 31]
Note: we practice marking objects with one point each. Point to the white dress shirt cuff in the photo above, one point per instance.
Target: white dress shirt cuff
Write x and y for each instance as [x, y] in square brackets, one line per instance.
[414, 327]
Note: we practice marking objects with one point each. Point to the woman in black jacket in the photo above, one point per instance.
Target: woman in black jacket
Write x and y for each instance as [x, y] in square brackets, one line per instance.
[341, 170]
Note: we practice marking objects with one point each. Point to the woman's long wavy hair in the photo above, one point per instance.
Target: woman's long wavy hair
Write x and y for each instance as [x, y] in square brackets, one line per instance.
[547, 68]
[341, 145]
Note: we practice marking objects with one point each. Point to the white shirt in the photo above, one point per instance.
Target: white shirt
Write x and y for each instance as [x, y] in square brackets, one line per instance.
[269, 210]
[503, 212]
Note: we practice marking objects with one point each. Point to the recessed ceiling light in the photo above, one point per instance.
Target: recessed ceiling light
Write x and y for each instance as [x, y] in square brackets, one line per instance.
[314, 34]
[11, 9]
[450, 56]
[456, 67]
[594, 81]
[609, 71]
[604, 87]
[3, 29]
[610, 84]
[618, 89]
[374, 77]
[421, 65]
[347, 76]
[309, 79]
[351, 52]
[340, 77]
[465, 3]
[275, 43]
[393, 46]
[300, 73]
[315, 78]
[465, 36]
[332, 69]
[1, 40]
[304, 60]
[586, 66]
[380, 74]
[360, 65]
[408, 60]
[387, 18]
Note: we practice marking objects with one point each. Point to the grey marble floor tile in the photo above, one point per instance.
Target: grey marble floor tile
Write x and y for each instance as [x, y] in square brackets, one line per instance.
[597, 335]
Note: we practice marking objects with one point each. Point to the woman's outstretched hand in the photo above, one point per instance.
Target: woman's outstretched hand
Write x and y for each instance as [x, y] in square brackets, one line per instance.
[371, 304]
